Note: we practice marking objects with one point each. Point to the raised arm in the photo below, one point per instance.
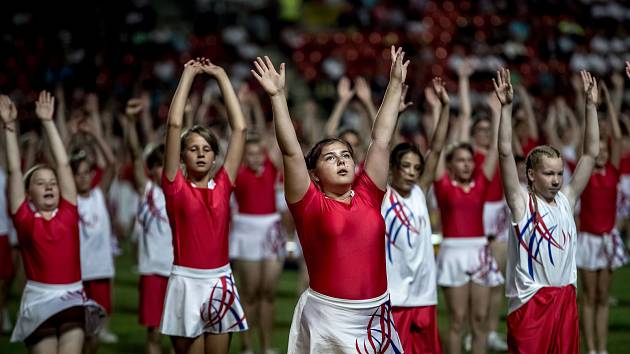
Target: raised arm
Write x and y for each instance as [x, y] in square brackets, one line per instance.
[44, 108]
[296, 178]
[617, 92]
[433, 101]
[236, 119]
[464, 71]
[613, 119]
[364, 93]
[550, 127]
[586, 163]
[16, 192]
[132, 111]
[377, 157]
[492, 155]
[514, 195]
[172, 147]
[439, 137]
[344, 95]
[91, 127]
[60, 113]
[532, 126]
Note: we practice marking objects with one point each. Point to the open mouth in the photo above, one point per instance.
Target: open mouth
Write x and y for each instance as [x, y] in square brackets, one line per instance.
[48, 196]
[342, 172]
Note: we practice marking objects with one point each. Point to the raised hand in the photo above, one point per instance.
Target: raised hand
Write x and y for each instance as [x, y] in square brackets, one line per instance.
[616, 79]
[91, 103]
[440, 90]
[271, 80]
[209, 68]
[431, 98]
[402, 106]
[363, 90]
[193, 67]
[591, 93]
[8, 112]
[344, 92]
[465, 69]
[134, 107]
[503, 87]
[45, 106]
[628, 69]
[398, 70]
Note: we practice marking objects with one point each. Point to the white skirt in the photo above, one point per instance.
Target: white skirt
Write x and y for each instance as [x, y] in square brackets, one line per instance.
[41, 301]
[201, 301]
[256, 237]
[496, 220]
[596, 252]
[323, 325]
[461, 260]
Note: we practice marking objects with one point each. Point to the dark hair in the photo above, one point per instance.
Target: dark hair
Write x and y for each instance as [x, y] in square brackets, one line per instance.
[519, 159]
[79, 157]
[400, 150]
[155, 157]
[316, 151]
[204, 133]
[534, 158]
[254, 139]
[31, 171]
[450, 151]
[350, 131]
[479, 120]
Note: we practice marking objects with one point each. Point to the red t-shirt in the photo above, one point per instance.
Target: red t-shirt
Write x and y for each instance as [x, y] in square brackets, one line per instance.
[624, 165]
[343, 243]
[461, 212]
[50, 248]
[598, 206]
[256, 194]
[199, 219]
[495, 187]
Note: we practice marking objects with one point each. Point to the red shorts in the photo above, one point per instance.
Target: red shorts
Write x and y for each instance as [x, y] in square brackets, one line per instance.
[100, 290]
[152, 293]
[7, 271]
[418, 329]
[548, 323]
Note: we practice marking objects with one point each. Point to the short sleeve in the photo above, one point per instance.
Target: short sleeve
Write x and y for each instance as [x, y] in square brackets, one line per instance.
[441, 186]
[67, 212]
[369, 191]
[223, 182]
[298, 208]
[24, 214]
[174, 187]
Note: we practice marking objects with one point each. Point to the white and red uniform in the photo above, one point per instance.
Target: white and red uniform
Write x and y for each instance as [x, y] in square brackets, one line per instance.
[201, 296]
[347, 307]
[599, 244]
[411, 271]
[155, 254]
[50, 251]
[623, 196]
[97, 262]
[496, 214]
[541, 279]
[7, 270]
[464, 254]
[255, 233]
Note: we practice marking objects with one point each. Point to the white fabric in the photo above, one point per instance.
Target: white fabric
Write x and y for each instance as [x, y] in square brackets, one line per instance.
[41, 301]
[202, 301]
[596, 252]
[123, 199]
[281, 202]
[411, 271]
[322, 324]
[256, 237]
[623, 197]
[541, 257]
[464, 259]
[496, 219]
[155, 242]
[6, 226]
[96, 232]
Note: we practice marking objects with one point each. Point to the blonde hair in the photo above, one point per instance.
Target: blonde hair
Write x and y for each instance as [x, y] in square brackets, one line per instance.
[534, 158]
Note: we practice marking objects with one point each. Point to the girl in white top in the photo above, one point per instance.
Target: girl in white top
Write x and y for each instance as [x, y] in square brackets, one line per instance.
[411, 271]
[541, 270]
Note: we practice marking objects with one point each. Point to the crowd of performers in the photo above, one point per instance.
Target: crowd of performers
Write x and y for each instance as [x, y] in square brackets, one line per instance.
[210, 201]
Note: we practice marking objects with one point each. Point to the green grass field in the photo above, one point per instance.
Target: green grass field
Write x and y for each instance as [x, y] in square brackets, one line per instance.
[131, 335]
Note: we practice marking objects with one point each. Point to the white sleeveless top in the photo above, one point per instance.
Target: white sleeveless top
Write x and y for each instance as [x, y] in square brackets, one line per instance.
[541, 255]
[411, 271]
[155, 245]
[96, 236]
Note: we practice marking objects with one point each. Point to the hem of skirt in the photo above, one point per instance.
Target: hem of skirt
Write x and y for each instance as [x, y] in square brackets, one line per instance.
[204, 332]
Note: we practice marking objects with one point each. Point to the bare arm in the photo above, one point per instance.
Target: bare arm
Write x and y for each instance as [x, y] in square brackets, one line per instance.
[296, 178]
[146, 123]
[172, 147]
[105, 151]
[344, 94]
[439, 137]
[364, 93]
[514, 195]
[615, 151]
[586, 163]
[617, 92]
[464, 71]
[236, 145]
[532, 126]
[16, 192]
[492, 155]
[60, 114]
[44, 108]
[133, 109]
[433, 101]
[377, 157]
[551, 127]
